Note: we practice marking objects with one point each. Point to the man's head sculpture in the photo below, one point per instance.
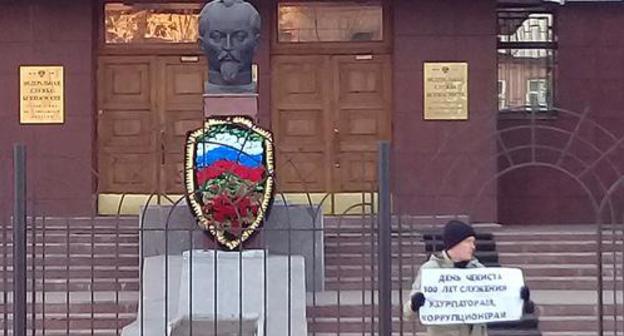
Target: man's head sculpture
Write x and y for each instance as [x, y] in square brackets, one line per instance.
[229, 31]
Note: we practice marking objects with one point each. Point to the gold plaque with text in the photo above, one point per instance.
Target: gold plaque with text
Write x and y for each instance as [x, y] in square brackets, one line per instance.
[42, 95]
[446, 91]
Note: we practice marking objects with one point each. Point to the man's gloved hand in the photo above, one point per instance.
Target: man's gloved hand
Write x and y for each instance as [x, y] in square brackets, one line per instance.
[417, 301]
[528, 307]
[525, 294]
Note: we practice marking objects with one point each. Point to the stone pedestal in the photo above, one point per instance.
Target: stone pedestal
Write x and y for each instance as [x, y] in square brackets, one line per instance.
[223, 104]
[298, 230]
[207, 325]
[212, 289]
[289, 229]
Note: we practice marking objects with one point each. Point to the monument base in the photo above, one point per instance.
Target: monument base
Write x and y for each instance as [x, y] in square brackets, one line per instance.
[265, 295]
[289, 230]
[207, 325]
[228, 104]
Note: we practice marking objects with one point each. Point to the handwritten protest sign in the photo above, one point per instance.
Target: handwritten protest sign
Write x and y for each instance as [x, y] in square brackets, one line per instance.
[469, 296]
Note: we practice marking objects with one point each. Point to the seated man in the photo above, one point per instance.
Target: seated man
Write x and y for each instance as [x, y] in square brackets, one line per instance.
[459, 248]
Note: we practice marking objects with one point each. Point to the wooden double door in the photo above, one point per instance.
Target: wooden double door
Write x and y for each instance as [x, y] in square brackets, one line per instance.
[328, 114]
[146, 105]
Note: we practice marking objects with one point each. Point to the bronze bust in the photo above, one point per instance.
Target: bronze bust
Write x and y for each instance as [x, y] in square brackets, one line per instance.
[229, 31]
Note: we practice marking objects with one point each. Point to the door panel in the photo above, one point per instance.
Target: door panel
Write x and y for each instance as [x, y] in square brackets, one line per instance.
[127, 173]
[181, 110]
[362, 114]
[300, 122]
[146, 106]
[328, 114]
[126, 131]
[357, 171]
[126, 82]
[126, 140]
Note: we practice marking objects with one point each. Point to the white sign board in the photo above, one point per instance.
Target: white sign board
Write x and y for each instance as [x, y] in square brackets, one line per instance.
[470, 296]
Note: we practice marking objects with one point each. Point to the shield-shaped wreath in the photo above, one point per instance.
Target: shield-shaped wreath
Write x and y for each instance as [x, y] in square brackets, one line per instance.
[229, 177]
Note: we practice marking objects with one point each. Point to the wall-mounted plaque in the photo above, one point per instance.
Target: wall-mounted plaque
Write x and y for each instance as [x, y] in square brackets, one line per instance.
[42, 95]
[446, 91]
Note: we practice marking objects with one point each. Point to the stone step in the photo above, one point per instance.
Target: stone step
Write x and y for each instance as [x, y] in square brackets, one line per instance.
[57, 231]
[552, 310]
[81, 221]
[367, 249]
[77, 322]
[84, 272]
[122, 307]
[423, 333]
[80, 285]
[78, 248]
[120, 260]
[556, 258]
[74, 238]
[406, 249]
[359, 283]
[532, 258]
[431, 236]
[365, 246]
[355, 325]
[550, 261]
[547, 237]
[420, 222]
[321, 318]
[74, 332]
[106, 326]
[560, 246]
[570, 270]
[577, 333]
[77, 226]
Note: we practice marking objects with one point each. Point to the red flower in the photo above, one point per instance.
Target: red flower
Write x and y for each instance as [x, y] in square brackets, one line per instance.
[223, 205]
[223, 209]
[228, 210]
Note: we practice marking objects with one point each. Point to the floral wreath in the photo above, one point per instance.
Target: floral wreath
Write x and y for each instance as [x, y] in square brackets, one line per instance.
[229, 170]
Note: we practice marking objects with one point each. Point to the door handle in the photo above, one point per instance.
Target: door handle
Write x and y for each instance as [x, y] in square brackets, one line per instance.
[336, 145]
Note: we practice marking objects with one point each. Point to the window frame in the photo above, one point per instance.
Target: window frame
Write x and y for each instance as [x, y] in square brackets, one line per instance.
[383, 46]
[542, 95]
[191, 49]
[550, 77]
[501, 89]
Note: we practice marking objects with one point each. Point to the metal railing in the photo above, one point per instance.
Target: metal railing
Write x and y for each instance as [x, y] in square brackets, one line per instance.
[69, 275]
[87, 275]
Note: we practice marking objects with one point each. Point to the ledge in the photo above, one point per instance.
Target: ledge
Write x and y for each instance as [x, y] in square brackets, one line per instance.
[548, 114]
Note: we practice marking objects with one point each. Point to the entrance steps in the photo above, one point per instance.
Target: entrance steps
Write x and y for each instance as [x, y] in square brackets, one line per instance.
[97, 260]
[559, 264]
[88, 269]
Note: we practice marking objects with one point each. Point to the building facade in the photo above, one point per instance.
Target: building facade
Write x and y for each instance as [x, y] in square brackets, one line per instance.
[334, 78]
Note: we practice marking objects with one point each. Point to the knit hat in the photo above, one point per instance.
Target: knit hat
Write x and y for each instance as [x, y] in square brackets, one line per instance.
[455, 232]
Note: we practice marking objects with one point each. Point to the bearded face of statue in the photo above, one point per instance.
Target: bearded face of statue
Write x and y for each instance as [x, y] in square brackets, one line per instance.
[228, 37]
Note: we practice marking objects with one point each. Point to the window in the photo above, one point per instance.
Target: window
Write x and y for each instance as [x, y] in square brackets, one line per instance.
[526, 59]
[537, 92]
[501, 94]
[317, 21]
[145, 23]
